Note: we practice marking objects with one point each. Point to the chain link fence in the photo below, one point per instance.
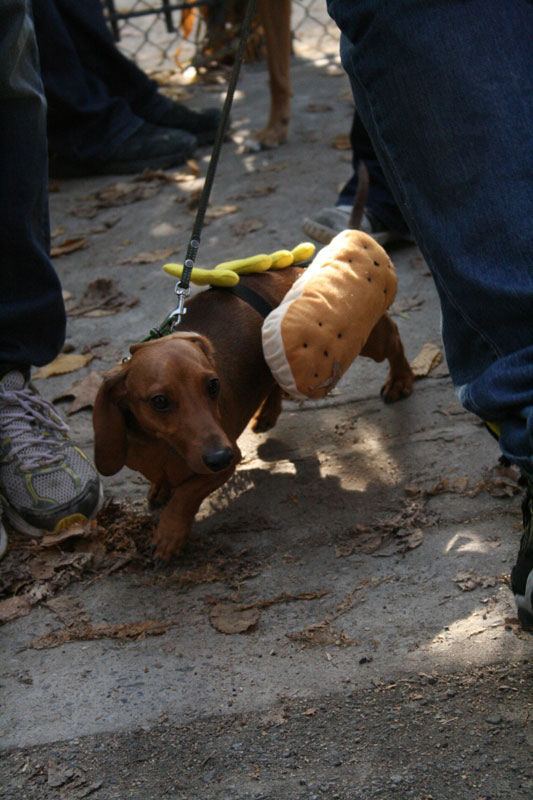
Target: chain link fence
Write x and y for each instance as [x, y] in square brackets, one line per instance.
[161, 34]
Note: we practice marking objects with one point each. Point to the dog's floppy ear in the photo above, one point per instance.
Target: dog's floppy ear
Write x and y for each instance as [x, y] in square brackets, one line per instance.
[110, 442]
[196, 338]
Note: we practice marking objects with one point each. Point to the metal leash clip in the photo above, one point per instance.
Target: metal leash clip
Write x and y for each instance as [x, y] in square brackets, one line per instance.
[175, 316]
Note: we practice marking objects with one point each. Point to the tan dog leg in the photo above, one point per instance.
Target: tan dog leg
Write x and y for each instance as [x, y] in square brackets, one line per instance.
[178, 515]
[267, 414]
[275, 17]
[384, 343]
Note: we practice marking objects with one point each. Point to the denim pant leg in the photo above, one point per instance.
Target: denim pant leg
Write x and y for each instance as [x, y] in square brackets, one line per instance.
[445, 91]
[86, 120]
[99, 54]
[32, 314]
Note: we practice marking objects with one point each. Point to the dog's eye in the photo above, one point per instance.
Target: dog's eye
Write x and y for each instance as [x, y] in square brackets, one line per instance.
[159, 402]
[213, 387]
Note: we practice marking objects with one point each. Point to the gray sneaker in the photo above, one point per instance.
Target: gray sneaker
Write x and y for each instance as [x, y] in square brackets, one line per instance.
[46, 482]
[328, 222]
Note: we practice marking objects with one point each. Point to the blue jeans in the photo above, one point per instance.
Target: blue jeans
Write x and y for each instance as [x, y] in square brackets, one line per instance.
[96, 96]
[32, 315]
[380, 202]
[445, 91]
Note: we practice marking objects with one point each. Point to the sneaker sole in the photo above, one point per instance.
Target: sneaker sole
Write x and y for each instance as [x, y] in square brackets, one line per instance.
[324, 235]
[19, 524]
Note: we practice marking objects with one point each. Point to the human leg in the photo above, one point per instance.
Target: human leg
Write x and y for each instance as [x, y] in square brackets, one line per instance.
[98, 98]
[32, 315]
[382, 218]
[445, 93]
[34, 449]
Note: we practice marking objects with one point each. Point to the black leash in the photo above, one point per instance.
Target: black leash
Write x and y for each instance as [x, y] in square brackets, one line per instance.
[182, 288]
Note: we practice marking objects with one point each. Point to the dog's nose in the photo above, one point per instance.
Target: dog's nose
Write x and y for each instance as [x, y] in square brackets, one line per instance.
[218, 460]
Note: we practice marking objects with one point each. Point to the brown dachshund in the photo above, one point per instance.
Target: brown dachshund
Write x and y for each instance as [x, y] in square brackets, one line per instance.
[175, 409]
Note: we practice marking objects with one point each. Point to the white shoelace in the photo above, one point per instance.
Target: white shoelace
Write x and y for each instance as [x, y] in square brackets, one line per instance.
[31, 424]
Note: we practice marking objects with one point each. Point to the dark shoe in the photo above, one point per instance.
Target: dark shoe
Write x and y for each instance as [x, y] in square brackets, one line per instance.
[203, 124]
[522, 572]
[151, 146]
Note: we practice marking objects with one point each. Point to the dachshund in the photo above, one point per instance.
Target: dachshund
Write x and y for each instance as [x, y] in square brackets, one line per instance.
[175, 409]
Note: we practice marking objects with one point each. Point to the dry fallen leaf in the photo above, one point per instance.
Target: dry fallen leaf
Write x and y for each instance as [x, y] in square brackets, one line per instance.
[217, 212]
[318, 108]
[65, 362]
[414, 539]
[321, 634]
[53, 539]
[117, 194]
[452, 485]
[13, 607]
[428, 358]
[87, 632]
[149, 258]
[68, 246]
[274, 718]
[469, 580]
[229, 618]
[342, 142]
[101, 298]
[83, 391]
[247, 226]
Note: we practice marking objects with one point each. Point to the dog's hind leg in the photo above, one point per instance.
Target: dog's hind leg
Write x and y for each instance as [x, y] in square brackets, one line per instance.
[384, 343]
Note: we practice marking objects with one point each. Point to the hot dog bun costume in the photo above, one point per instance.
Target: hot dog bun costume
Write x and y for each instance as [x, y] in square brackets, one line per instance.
[324, 320]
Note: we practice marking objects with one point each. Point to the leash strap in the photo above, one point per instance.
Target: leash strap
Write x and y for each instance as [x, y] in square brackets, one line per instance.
[182, 288]
[194, 243]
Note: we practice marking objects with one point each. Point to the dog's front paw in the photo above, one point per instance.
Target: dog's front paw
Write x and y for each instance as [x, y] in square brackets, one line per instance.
[167, 544]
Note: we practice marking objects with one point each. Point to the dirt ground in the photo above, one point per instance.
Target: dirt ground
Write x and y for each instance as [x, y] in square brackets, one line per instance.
[340, 623]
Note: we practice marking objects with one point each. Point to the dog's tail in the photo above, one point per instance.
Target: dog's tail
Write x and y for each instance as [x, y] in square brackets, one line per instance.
[361, 197]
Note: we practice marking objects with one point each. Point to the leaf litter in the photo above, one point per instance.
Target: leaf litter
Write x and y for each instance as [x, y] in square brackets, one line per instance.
[35, 571]
[141, 187]
[393, 535]
[501, 480]
[230, 617]
[101, 298]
